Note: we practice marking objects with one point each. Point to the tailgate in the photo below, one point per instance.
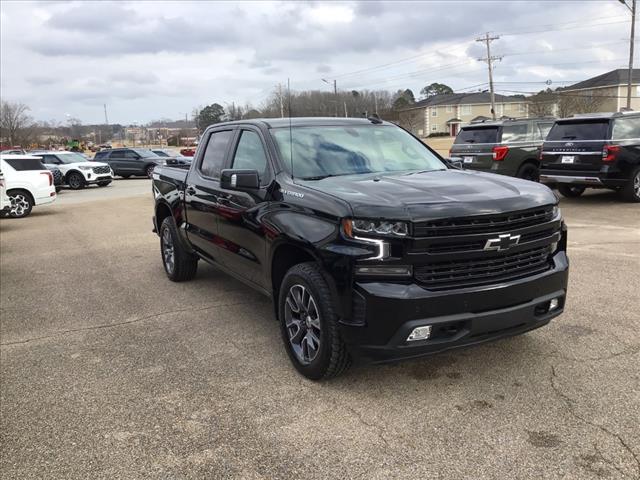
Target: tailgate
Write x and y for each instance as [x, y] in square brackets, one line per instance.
[563, 155]
[474, 146]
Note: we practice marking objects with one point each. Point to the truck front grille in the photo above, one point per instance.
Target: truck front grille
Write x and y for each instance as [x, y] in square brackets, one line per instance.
[483, 271]
[483, 224]
[104, 169]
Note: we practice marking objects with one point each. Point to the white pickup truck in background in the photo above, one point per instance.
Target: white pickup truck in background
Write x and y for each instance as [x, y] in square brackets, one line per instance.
[27, 183]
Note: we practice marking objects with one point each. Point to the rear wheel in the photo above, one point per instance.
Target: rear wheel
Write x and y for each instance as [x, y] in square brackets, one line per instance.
[631, 191]
[529, 171]
[21, 203]
[179, 264]
[571, 191]
[75, 181]
[309, 324]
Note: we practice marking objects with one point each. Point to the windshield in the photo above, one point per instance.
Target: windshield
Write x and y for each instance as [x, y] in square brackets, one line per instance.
[478, 135]
[161, 153]
[144, 152]
[593, 130]
[324, 151]
[71, 157]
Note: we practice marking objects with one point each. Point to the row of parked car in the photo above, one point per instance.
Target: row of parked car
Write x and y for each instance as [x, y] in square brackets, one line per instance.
[572, 154]
[34, 178]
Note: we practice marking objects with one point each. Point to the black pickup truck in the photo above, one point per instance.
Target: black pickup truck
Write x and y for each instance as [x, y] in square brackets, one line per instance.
[371, 245]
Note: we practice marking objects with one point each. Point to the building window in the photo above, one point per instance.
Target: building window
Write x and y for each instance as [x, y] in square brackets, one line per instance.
[638, 90]
[466, 109]
[522, 107]
[434, 111]
[434, 128]
[450, 108]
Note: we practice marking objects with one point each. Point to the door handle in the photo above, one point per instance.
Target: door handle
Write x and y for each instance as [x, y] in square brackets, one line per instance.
[190, 190]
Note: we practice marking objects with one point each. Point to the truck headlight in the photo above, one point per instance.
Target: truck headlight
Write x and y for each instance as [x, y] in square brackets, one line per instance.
[355, 226]
[556, 211]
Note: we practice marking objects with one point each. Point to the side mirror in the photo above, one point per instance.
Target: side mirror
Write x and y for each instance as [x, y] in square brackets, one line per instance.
[455, 162]
[240, 179]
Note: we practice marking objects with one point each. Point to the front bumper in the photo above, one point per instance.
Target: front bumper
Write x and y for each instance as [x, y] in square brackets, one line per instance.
[93, 178]
[458, 318]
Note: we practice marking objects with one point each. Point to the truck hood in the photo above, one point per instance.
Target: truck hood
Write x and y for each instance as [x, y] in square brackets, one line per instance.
[433, 195]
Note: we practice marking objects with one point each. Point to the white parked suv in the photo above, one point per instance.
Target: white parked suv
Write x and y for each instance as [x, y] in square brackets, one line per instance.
[27, 183]
[5, 202]
[77, 171]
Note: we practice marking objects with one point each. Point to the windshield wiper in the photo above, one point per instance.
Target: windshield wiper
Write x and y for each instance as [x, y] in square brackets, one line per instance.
[320, 177]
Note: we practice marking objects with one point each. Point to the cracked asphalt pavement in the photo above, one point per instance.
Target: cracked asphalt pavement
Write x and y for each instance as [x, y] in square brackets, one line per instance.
[108, 370]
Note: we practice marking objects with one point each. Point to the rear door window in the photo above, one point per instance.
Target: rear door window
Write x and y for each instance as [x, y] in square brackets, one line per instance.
[626, 128]
[215, 153]
[515, 133]
[579, 130]
[130, 155]
[25, 164]
[542, 130]
[478, 135]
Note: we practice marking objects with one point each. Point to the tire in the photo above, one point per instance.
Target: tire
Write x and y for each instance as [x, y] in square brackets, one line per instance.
[149, 170]
[179, 264]
[75, 181]
[21, 203]
[304, 288]
[529, 171]
[571, 191]
[104, 184]
[631, 191]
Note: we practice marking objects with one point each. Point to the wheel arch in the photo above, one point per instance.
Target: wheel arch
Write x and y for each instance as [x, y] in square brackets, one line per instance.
[66, 175]
[22, 189]
[286, 254]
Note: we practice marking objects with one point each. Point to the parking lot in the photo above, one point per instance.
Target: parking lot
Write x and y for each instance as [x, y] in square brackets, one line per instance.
[111, 371]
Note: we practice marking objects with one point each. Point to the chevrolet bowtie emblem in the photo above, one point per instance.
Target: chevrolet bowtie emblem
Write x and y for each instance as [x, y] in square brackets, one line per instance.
[502, 242]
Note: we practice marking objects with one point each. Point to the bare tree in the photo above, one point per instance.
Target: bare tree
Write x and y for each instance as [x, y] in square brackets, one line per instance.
[16, 126]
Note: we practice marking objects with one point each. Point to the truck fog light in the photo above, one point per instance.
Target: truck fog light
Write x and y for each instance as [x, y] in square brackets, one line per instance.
[384, 270]
[554, 304]
[419, 333]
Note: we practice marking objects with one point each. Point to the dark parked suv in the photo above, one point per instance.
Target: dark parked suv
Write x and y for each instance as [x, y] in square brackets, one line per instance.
[599, 151]
[508, 147]
[126, 162]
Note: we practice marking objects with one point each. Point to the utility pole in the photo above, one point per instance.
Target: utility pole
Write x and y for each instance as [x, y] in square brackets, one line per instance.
[632, 8]
[335, 92]
[106, 119]
[281, 102]
[345, 110]
[375, 102]
[488, 39]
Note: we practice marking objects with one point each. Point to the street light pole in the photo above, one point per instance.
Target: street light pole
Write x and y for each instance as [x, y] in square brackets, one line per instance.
[632, 8]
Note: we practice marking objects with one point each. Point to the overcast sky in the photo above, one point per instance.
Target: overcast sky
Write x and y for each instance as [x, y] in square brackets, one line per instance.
[149, 60]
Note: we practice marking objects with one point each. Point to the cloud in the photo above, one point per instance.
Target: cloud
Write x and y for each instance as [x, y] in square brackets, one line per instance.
[159, 59]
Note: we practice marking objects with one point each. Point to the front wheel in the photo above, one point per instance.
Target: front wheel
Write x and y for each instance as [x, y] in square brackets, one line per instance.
[571, 191]
[21, 203]
[309, 324]
[149, 170]
[631, 191]
[179, 264]
[75, 181]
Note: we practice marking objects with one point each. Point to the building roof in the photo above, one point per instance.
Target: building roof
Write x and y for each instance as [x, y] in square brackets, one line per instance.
[463, 99]
[609, 79]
